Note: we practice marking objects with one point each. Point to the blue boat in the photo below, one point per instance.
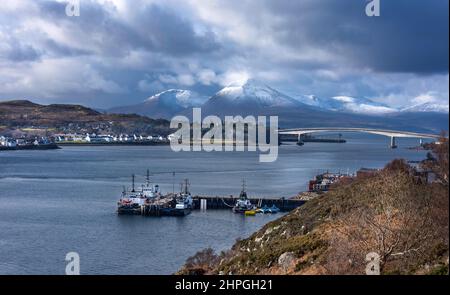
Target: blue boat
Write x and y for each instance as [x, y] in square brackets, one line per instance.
[264, 210]
[274, 209]
[267, 210]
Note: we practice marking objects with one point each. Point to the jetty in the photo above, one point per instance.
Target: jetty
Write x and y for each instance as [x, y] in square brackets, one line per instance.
[149, 201]
[162, 206]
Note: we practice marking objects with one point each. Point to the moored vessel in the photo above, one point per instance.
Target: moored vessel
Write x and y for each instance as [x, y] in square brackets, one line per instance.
[184, 202]
[243, 203]
[133, 201]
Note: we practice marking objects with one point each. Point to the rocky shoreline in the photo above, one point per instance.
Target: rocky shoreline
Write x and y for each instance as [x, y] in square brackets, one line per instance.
[333, 232]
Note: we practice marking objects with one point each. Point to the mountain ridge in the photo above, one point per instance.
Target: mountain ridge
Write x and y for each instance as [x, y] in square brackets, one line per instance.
[256, 98]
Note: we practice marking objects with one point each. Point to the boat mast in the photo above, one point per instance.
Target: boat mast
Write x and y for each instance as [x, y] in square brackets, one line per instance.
[132, 183]
[148, 177]
[173, 183]
[186, 186]
[243, 194]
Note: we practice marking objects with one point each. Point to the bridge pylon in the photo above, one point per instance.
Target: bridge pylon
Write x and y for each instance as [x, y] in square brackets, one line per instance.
[300, 140]
[393, 142]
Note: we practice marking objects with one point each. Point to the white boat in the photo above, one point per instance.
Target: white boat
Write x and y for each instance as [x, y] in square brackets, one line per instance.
[149, 191]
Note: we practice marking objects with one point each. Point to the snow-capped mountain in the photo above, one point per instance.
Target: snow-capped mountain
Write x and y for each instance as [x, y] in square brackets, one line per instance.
[429, 107]
[162, 105]
[257, 98]
[255, 92]
[250, 97]
[347, 104]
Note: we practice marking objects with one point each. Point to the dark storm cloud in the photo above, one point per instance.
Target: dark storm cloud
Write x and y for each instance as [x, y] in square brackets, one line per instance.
[153, 28]
[409, 36]
[170, 33]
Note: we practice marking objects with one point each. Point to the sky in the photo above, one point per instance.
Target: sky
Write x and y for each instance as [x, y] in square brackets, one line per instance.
[121, 52]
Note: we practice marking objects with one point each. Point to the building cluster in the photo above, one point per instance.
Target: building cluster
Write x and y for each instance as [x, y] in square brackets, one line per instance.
[107, 138]
[7, 141]
[10, 142]
[323, 182]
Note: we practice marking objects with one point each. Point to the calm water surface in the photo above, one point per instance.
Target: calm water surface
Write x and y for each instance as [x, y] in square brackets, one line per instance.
[54, 202]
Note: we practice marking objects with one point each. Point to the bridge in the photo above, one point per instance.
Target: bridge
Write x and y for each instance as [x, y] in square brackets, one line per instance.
[393, 134]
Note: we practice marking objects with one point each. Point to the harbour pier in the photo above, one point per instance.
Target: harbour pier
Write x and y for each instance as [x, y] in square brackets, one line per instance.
[148, 201]
[162, 207]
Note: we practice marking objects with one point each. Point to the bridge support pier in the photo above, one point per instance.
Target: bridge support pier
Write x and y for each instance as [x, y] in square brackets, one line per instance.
[300, 140]
[393, 142]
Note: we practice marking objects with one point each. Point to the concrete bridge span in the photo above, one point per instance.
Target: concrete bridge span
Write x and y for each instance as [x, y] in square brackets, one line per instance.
[393, 134]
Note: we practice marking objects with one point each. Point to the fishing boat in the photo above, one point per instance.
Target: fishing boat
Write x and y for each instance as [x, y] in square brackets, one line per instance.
[131, 201]
[243, 203]
[129, 204]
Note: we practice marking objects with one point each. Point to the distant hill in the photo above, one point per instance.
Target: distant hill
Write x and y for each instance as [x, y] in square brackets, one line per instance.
[75, 118]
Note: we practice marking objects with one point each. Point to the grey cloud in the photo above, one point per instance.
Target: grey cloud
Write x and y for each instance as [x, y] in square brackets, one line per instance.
[56, 49]
[22, 52]
[409, 36]
[303, 37]
[153, 28]
[170, 33]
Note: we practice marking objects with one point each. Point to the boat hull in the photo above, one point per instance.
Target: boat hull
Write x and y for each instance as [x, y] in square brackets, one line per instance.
[175, 212]
[241, 210]
[128, 210]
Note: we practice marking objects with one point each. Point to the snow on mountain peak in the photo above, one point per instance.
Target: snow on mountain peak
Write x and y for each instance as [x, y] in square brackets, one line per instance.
[254, 91]
[350, 104]
[369, 109]
[174, 96]
[428, 107]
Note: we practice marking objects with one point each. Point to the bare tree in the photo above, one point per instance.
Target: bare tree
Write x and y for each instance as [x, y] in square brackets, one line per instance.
[203, 261]
[394, 221]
